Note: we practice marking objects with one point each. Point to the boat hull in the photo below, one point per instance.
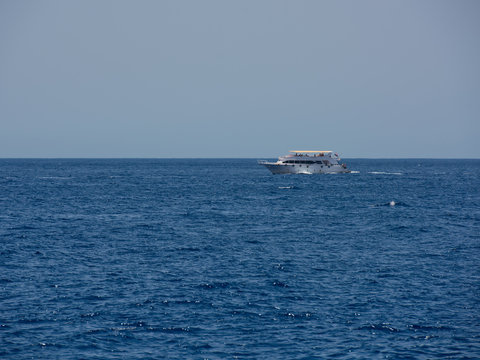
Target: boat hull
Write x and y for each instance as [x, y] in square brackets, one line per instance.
[276, 168]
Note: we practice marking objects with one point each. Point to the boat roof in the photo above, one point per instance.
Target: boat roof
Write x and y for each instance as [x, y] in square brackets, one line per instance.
[311, 151]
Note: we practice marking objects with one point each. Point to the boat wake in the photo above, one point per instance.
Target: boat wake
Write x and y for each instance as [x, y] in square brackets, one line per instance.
[385, 173]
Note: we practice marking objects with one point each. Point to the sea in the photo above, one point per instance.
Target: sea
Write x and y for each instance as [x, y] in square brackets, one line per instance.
[220, 259]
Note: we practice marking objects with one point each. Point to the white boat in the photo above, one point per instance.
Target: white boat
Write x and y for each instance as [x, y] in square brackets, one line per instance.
[306, 162]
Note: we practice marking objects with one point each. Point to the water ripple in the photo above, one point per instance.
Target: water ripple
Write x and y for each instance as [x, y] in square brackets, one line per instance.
[187, 259]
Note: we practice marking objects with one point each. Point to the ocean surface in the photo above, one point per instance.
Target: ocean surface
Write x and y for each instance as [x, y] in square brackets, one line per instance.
[219, 259]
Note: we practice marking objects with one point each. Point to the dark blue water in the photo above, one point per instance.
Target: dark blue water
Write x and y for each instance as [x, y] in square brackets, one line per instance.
[194, 259]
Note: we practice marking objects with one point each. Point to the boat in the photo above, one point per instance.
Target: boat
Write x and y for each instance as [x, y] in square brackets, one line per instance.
[306, 162]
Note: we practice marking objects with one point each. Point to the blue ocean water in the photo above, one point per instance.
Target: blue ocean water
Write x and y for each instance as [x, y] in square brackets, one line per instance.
[215, 259]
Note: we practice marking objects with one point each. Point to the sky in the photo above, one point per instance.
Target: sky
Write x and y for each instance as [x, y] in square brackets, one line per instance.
[250, 78]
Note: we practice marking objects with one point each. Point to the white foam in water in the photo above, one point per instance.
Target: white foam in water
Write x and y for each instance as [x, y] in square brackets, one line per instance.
[385, 173]
[55, 177]
[285, 187]
[392, 203]
[354, 172]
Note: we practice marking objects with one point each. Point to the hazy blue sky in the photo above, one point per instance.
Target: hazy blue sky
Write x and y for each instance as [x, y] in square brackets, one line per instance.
[239, 78]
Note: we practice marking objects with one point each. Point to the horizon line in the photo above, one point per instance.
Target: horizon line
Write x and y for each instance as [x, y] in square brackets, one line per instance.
[220, 158]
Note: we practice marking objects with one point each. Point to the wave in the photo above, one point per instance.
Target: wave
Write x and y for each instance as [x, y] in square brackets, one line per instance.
[384, 173]
[55, 177]
[215, 285]
[386, 327]
[280, 284]
[391, 203]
